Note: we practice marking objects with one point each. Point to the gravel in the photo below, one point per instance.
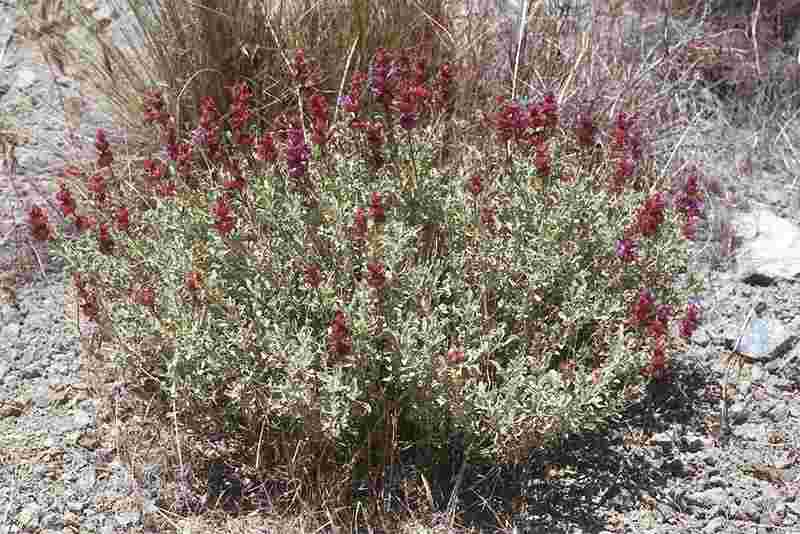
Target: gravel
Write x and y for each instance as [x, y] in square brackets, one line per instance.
[660, 468]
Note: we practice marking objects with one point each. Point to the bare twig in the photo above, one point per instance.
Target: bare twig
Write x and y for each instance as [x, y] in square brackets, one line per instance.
[753, 25]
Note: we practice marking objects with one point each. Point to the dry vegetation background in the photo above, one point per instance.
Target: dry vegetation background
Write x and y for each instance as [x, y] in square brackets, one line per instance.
[674, 62]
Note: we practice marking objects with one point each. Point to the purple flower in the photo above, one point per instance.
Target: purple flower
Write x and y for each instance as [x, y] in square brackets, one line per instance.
[408, 120]
[626, 250]
[692, 319]
[170, 152]
[663, 312]
[200, 136]
[297, 153]
[119, 392]
[518, 119]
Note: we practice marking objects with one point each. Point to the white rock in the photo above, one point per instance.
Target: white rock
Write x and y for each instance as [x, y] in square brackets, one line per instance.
[771, 245]
[25, 79]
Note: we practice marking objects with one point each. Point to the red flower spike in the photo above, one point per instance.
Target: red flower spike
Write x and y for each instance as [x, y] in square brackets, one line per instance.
[208, 113]
[690, 322]
[221, 210]
[443, 90]
[339, 337]
[40, 229]
[585, 129]
[543, 115]
[510, 122]
[193, 281]
[166, 189]
[549, 108]
[657, 367]
[65, 201]
[88, 304]
[406, 104]
[146, 297]
[380, 81]
[621, 127]
[376, 210]
[104, 241]
[123, 219]
[488, 217]
[624, 169]
[312, 276]
[237, 184]
[318, 106]
[689, 201]
[184, 158]
[375, 139]
[651, 215]
[455, 357]
[84, 223]
[376, 277]
[475, 185]
[154, 108]
[104, 156]
[265, 150]
[359, 228]
[542, 161]
[689, 228]
[567, 369]
[657, 328]
[300, 70]
[626, 250]
[642, 308]
[240, 109]
[297, 153]
[97, 185]
[352, 103]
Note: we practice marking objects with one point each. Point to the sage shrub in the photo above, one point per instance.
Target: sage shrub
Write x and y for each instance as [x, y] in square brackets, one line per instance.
[345, 277]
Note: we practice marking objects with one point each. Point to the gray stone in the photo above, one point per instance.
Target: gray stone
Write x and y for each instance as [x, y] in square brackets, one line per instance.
[53, 521]
[10, 332]
[793, 508]
[76, 506]
[664, 439]
[716, 482]
[83, 419]
[779, 411]
[125, 519]
[708, 498]
[739, 412]
[749, 510]
[701, 338]
[32, 371]
[715, 525]
[750, 431]
[757, 373]
[40, 395]
[694, 443]
[87, 479]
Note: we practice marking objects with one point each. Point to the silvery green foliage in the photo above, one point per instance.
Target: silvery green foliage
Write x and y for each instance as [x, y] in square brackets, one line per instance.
[560, 295]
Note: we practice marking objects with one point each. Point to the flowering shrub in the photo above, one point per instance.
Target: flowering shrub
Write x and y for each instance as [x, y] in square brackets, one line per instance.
[333, 279]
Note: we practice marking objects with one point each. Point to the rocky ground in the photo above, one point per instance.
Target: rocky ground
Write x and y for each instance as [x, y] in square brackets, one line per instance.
[666, 466]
